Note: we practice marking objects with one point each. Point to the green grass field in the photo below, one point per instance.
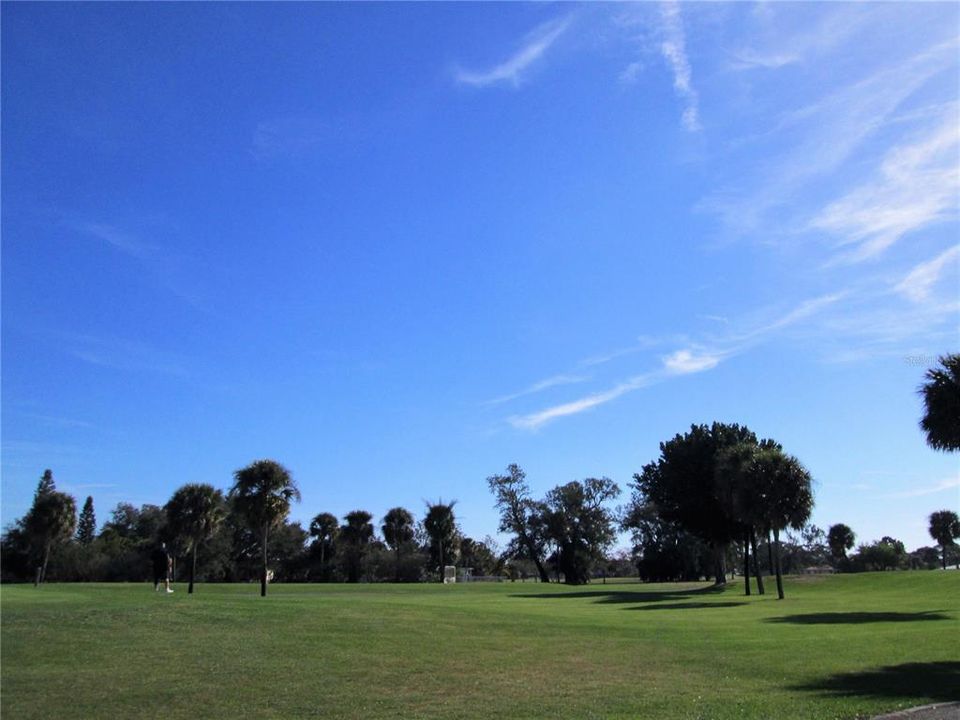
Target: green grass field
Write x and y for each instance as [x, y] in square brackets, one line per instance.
[837, 647]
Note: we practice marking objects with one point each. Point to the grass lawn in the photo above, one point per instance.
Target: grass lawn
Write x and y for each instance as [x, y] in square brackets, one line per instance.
[837, 647]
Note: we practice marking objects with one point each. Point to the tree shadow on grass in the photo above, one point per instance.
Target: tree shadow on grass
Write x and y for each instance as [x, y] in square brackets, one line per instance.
[935, 681]
[857, 618]
[687, 606]
[620, 596]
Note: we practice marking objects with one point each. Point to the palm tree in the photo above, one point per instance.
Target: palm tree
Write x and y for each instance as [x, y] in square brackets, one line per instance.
[440, 526]
[785, 489]
[323, 530]
[941, 400]
[397, 530]
[356, 536]
[840, 538]
[261, 495]
[193, 515]
[741, 492]
[944, 528]
[52, 520]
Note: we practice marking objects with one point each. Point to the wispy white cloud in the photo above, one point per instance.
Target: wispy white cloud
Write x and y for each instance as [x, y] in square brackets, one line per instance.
[674, 51]
[512, 70]
[60, 421]
[118, 239]
[119, 354]
[540, 386]
[920, 281]
[939, 487]
[643, 342]
[686, 362]
[822, 136]
[801, 312]
[780, 38]
[631, 73]
[535, 420]
[163, 265]
[748, 59]
[918, 184]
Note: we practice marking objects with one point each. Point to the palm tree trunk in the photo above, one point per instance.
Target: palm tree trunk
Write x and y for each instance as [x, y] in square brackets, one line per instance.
[396, 574]
[440, 544]
[263, 578]
[776, 541]
[756, 562]
[770, 568]
[943, 555]
[746, 564]
[323, 564]
[193, 569]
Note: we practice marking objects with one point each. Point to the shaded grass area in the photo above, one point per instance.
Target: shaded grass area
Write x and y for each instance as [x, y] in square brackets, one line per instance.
[939, 681]
[843, 647]
[857, 618]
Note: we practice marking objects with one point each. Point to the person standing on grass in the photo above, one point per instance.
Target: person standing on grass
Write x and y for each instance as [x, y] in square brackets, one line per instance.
[162, 563]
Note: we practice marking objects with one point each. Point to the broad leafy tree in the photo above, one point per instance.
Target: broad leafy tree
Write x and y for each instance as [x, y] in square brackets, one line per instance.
[261, 496]
[479, 556]
[324, 529]
[578, 522]
[885, 554]
[398, 532]
[517, 515]
[87, 524]
[123, 523]
[51, 521]
[663, 551]
[941, 401]
[944, 528]
[356, 538]
[683, 484]
[441, 527]
[194, 514]
[840, 538]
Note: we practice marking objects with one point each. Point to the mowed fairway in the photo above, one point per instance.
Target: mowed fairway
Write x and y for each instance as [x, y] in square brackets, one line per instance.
[837, 647]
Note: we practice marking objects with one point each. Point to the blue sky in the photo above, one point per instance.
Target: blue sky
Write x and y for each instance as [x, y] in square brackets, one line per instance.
[399, 246]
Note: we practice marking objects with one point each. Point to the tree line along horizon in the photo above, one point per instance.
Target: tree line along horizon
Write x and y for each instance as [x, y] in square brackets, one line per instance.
[717, 496]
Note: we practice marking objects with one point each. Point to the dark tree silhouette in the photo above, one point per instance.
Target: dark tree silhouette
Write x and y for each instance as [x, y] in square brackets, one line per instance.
[944, 528]
[356, 537]
[46, 484]
[398, 531]
[683, 485]
[441, 527]
[840, 538]
[51, 521]
[786, 489]
[324, 529]
[579, 524]
[941, 401]
[261, 495]
[194, 514]
[87, 524]
[741, 492]
[517, 510]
